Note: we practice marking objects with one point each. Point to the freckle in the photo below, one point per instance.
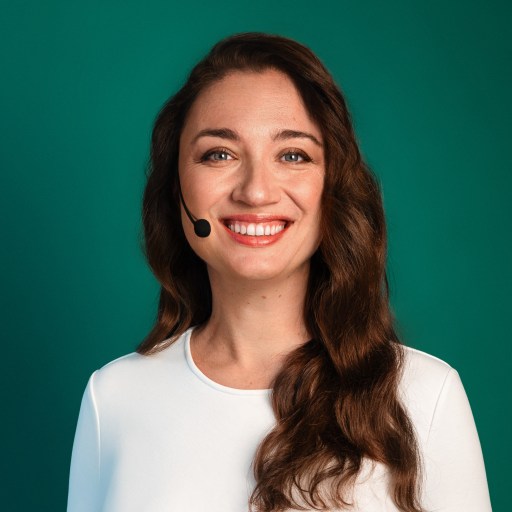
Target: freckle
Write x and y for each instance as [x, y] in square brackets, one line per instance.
[279, 296]
[263, 296]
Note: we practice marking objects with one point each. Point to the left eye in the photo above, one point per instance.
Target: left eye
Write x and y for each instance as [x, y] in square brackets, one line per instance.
[296, 155]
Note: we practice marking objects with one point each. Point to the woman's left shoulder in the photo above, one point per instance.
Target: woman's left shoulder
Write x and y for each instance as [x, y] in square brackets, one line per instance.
[421, 368]
[439, 408]
[423, 379]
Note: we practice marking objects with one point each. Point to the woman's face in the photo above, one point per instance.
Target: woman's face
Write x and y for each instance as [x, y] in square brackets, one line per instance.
[251, 162]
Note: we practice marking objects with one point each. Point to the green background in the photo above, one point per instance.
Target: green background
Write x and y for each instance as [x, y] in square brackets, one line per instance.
[428, 84]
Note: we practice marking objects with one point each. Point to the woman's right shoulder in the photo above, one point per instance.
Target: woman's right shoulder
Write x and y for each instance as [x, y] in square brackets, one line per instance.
[135, 370]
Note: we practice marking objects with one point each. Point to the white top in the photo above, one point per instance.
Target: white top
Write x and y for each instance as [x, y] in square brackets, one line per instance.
[155, 434]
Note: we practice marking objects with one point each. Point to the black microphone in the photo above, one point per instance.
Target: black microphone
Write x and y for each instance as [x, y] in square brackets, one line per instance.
[202, 227]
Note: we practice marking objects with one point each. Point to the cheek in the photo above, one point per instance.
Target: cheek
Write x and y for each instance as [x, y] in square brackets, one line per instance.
[311, 203]
[308, 194]
[200, 246]
[199, 190]
[187, 225]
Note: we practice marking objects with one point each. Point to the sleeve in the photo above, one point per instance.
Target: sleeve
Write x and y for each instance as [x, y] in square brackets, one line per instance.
[84, 475]
[455, 478]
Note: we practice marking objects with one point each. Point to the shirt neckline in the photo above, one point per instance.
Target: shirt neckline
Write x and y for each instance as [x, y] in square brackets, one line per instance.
[215, 385]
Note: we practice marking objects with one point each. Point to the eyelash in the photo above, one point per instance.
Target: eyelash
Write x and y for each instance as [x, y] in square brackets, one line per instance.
[292, 151]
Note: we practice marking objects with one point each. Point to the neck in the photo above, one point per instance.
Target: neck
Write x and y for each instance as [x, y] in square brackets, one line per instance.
[254, 324]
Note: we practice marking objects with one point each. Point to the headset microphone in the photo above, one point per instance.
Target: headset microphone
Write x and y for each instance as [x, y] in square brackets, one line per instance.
[202, 227]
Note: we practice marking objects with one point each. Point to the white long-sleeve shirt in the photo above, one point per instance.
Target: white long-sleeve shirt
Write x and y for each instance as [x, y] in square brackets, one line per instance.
[155, 434]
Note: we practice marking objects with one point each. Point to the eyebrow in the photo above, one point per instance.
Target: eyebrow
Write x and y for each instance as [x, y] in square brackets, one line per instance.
[227, 133]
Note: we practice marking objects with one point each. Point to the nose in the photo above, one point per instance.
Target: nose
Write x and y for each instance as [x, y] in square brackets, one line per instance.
[257, 185]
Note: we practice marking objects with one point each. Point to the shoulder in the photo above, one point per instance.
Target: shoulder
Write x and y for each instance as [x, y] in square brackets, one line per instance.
[135, 373]
[441, 414]
[423, 379]
[421, 368]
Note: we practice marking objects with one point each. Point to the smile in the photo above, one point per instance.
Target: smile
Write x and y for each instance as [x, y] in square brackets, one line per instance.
[256, 229]
[256, 234]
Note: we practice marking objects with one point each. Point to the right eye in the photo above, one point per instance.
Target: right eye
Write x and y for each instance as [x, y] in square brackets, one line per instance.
[208, 154]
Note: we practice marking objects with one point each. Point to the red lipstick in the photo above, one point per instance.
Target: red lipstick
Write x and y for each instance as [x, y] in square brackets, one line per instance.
[252, 240]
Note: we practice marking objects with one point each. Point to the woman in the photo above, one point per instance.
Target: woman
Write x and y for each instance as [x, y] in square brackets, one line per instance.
[273, 378]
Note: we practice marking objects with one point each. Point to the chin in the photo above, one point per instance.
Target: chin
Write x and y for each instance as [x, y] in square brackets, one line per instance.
[258, 274]
[266, 270]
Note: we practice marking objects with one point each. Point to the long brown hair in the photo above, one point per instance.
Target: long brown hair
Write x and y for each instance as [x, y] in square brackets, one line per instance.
[336, 397]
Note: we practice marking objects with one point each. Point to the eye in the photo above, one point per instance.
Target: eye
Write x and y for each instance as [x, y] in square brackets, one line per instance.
[223, 152]
[296, 154]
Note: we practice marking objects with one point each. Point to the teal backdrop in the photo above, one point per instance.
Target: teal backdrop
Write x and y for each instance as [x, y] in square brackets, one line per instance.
[428, 84]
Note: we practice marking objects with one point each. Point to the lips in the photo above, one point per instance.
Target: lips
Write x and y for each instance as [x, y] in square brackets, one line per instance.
[256, 230]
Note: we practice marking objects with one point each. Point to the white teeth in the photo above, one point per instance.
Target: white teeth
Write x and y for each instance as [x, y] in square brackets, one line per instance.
[253, 229]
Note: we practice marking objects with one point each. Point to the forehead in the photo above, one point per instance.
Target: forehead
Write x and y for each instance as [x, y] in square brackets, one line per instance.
[250, 102]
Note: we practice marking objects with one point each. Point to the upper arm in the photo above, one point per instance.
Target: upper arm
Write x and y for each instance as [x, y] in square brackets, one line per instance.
[455, 478]
[84, 476]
